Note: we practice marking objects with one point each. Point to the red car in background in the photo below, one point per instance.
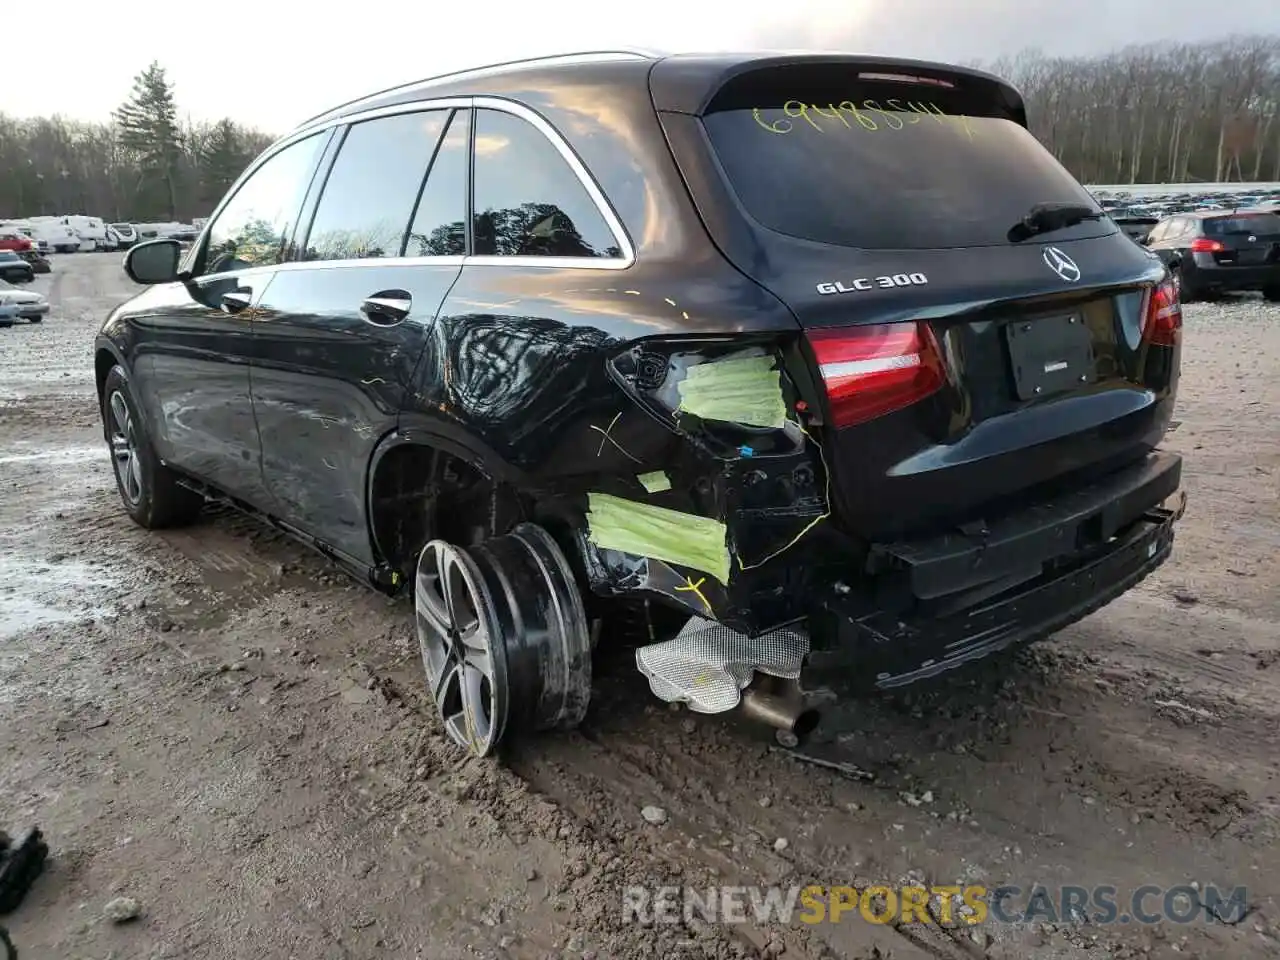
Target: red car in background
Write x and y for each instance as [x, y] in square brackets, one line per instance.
[15, 242]
[25, 248]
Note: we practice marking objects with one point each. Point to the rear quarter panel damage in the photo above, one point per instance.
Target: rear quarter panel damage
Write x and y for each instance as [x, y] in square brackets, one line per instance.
[583, 382]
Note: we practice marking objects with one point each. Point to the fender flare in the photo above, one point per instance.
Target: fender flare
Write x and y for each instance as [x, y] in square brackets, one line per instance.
[428, 430]
[102, 342]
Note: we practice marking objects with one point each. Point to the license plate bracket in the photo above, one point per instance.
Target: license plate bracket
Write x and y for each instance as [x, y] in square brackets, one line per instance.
[1049, 355]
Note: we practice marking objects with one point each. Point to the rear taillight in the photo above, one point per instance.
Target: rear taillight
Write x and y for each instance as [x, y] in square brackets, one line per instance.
[1205, 245]
[874, 370]
[1162, 324]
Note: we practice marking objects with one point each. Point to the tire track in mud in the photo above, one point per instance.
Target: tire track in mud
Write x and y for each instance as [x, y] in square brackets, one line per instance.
[645, 745]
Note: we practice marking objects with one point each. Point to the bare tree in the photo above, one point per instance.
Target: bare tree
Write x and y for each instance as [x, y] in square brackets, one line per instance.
[1159, 112]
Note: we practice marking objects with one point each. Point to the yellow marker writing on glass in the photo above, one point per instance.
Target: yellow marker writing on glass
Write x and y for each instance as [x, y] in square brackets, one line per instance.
[869, 115]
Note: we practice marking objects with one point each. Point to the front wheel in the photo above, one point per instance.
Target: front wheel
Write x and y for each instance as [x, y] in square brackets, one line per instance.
[150, 491]
[1272, 293]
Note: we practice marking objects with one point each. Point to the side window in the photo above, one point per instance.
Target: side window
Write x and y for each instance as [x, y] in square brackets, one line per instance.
[528, 202]
[252, 228]
[439, 224]
[368, 197]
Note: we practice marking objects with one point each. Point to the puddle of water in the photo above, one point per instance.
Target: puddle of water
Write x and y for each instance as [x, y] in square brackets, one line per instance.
[34, 594]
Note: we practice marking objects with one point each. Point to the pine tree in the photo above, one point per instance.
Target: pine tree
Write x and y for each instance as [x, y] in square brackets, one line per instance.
[148, 123]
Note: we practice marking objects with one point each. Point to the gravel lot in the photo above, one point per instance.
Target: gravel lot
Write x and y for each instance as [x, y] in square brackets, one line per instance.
[219, 725]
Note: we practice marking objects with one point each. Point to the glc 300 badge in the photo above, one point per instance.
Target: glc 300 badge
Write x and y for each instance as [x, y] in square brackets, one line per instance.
[873, 283]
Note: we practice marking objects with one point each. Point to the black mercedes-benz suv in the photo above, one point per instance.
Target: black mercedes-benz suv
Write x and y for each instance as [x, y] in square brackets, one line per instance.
[807, 371]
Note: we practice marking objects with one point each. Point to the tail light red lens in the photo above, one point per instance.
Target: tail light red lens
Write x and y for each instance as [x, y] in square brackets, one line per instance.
[1205, 245]
[874, 370]
[1162, 323]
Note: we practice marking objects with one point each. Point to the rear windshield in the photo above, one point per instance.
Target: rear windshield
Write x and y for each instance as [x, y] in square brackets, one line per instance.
[1264, 224]
[887, 164]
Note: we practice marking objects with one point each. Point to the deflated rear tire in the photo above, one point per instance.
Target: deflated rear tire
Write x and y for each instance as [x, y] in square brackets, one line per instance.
[503, 637]
[149, 490]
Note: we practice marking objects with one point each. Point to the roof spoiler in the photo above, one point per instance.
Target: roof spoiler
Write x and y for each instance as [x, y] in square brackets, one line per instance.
[690, 84]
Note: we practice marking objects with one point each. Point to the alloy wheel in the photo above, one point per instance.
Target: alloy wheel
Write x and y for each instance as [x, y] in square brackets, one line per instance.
[462, 648]
[124, 449]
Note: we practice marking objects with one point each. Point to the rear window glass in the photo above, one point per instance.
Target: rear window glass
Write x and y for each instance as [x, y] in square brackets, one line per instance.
[1267, 224]
[884, 165]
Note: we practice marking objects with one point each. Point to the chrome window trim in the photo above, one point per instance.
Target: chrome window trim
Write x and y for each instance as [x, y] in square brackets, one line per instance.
[535, 119]
[444, 261]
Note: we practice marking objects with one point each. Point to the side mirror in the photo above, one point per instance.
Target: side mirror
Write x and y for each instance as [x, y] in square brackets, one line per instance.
[155, 261]
[1145, 241]
[1175, 263]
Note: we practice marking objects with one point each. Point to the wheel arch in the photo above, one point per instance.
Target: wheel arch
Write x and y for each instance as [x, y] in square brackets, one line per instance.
[106, 355]
[424, 463]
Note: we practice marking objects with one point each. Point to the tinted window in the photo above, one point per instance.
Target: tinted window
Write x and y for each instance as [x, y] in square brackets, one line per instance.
[368, 197]
[528, 201]
[439, 225]
[883, 164]
[1253, 224]
[253, 227]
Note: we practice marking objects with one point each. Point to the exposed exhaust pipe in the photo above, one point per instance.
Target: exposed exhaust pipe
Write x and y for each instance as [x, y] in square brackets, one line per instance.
[782, 710]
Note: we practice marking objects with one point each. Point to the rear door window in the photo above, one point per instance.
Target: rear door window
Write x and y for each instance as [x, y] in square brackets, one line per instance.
[439, 224]
[371, 190]
[908, 163]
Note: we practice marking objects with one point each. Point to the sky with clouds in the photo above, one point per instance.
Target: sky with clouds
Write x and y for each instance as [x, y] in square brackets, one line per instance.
[272, 63]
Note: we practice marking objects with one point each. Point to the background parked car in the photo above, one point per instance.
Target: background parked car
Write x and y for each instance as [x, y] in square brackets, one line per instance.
[39, 262]
[26, 304]
[11, 239]
[126, 236]
[58, 235]
[14, 269]
[1214, 252]
[1136, 228]
[91, 231]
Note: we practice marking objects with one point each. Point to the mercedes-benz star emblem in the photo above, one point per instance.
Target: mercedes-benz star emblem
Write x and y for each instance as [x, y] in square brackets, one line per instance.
[1061, 264]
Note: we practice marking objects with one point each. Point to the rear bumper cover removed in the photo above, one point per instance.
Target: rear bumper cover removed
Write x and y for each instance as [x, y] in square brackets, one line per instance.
[1130, 521]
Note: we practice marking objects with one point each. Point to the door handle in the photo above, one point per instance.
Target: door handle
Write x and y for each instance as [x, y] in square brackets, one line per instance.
[387, 307]
[234, 301]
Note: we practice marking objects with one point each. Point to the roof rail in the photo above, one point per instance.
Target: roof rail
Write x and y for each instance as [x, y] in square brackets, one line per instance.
[581, 56]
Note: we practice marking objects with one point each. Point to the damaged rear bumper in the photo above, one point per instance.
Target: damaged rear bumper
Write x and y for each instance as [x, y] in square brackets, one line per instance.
[1108, 539]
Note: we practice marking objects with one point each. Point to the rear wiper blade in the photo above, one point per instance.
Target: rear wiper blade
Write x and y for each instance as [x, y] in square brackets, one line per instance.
[1046, 217]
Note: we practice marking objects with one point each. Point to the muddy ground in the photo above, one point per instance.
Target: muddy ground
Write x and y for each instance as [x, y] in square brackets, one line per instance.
[224, 728]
